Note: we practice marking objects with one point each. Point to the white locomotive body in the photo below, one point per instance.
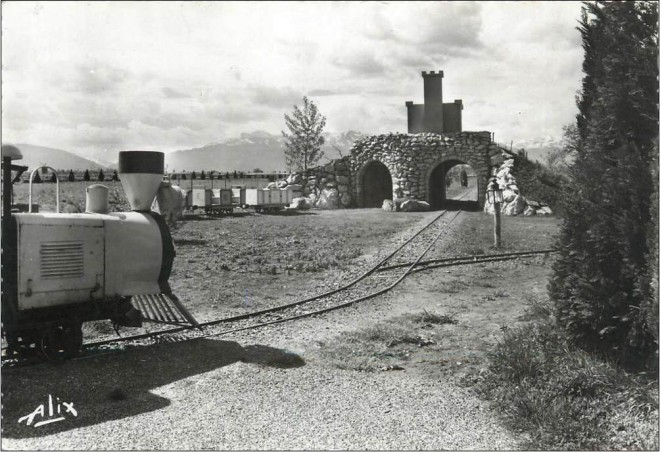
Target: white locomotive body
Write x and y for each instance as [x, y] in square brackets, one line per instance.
[76, 258]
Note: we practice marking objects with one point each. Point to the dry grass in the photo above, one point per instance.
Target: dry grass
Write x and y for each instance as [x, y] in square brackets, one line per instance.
[563, 397]
[387, 345]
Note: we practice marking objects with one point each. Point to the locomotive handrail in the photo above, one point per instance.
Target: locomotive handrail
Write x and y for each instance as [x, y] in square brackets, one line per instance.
[57, 180]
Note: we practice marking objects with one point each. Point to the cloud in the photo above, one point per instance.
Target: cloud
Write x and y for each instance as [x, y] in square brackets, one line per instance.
[323, 92]
[173, 94]
[115, 73]
[269, 96]
[437, 27]
[92, 79]
[360, 64]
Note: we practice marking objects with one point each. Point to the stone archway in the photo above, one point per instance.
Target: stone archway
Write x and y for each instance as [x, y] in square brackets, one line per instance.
[374, 184]
[447, 191]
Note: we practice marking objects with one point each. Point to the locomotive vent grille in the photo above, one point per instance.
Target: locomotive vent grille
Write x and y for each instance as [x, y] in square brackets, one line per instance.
[62, 260]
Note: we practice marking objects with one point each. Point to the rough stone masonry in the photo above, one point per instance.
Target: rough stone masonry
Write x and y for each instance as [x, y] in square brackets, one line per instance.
[413, 166]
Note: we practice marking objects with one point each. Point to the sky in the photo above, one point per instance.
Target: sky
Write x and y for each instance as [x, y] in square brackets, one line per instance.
[99, 77]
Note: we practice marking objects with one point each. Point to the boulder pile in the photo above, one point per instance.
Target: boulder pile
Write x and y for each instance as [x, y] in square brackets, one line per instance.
[514, 202]
[327, 186]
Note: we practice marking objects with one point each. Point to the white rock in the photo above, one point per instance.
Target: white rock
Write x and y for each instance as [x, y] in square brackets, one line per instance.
[388, 205]
[413, 205]
[515, 207]
[329, 199]
[503, 173]
[509, 195]
[293, 179]
[301, 204]
[529, 211]
[545, 210]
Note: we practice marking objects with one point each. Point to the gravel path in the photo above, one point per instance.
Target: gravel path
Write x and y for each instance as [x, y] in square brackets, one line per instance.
[264, 389]
[255, 406]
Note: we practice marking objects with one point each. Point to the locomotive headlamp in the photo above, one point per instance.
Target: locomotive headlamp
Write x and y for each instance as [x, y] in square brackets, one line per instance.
[141, 173]
[493, 192]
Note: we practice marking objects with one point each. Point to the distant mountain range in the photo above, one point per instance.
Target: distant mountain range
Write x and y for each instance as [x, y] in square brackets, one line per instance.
[250, 151]
[35, 156]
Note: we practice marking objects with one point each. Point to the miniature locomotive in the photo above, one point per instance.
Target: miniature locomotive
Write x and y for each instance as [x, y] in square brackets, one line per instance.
[60, 269]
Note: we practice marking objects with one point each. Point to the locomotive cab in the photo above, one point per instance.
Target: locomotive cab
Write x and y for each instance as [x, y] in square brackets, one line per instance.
[60, 270]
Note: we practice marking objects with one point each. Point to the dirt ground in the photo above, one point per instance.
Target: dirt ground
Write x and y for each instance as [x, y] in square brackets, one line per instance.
[481, 301]
[311, 383]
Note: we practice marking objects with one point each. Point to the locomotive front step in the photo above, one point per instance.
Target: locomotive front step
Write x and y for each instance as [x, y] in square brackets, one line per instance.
[163, 308]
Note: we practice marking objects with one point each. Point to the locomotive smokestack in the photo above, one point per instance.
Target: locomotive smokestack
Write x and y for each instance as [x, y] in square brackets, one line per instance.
[141, 173]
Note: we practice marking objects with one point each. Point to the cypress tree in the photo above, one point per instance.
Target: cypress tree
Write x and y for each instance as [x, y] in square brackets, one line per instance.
[600, 282]
[72, 177]
[86, 176]
[101, 176]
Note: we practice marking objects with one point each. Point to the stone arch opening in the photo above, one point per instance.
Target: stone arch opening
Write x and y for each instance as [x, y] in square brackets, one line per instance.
[454, 184]
[374, 185]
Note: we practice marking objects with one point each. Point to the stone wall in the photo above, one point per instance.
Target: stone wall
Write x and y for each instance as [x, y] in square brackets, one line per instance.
[410, 160]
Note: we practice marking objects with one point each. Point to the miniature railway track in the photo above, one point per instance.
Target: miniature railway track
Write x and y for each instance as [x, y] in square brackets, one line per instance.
[379, 279]
[326, 301]
[364, 287]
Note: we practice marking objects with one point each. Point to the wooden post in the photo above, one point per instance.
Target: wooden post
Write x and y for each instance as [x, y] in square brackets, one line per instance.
[498, 229]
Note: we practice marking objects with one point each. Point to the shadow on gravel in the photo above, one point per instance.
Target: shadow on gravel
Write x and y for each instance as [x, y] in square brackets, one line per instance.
[272, 357]
[184, 242]
[112, 387]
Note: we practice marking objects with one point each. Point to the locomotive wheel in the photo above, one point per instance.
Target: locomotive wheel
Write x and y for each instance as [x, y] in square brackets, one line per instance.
[61, 342]
[19, 344]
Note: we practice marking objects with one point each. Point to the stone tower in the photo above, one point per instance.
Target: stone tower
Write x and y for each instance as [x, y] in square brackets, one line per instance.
[434, 115]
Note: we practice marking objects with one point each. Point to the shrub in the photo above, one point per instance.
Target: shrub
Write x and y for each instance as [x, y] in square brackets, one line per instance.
[603, 277]
[538, 183]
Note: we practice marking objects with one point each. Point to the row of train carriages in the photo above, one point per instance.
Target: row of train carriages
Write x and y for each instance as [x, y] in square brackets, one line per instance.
[225, 200]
